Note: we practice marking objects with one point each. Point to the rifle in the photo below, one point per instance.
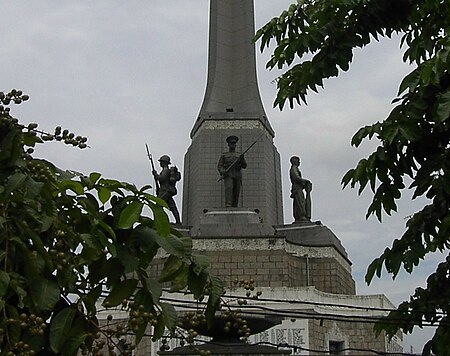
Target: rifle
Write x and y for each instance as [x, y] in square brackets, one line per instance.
[149, 155]
[235, 161]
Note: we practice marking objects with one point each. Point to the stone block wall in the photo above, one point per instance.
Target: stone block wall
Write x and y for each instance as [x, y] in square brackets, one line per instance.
[266, 268]
[358, 336]
[272, 267]
[325, 273]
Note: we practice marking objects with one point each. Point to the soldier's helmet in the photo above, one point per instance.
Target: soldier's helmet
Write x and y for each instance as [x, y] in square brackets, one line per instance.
[232, 139]
[164, 158]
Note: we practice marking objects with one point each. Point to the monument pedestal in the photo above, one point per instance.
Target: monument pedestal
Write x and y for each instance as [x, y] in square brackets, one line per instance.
[228, 349]
[228, 222]
[229, 342]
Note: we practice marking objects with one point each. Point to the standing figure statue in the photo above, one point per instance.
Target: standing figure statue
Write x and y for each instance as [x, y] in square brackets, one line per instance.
[301, 204]
[167, 180]
[230, 165]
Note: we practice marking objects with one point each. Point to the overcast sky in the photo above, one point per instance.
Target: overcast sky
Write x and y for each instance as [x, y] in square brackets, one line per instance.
[129, 73]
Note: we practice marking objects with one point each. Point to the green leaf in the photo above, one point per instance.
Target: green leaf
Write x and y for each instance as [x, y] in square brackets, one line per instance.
[199, 263]
[13, 330]
[122, 290]
[374, 265]
[4, 282]
[76, 337]
[36, 342]
[145, 236]
[76, 187]
[143, 297]
[360, 135]
[216, 292]
[14, 182]
[158, 330]
[91, 299]
[169, 315]
[180, 281]
[112, 269]
[129, 260]
[172, 245]
[103, 194]
[139, 334]
[410, 81]
[188, 245]
[7, 148]
[60, 328]
[94, 177]
[155, 288]
[108, 229]
[171, 268]
[348, 177]
[197, 283]
[443, 108]
[162, 224]
[130, 215]
[45, 294]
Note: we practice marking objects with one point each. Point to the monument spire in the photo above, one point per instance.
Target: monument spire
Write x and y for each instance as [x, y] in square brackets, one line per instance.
[232, 87]
[232, 107]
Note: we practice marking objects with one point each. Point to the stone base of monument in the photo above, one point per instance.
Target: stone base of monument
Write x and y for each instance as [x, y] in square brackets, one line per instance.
[237, 348]
[229, 343]
[312, 235]
[231, 222]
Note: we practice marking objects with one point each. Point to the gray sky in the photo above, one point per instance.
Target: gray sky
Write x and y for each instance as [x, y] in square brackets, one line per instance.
[129, 73]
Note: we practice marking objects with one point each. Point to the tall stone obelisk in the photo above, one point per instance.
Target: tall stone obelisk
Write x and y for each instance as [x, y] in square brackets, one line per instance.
[232, 106]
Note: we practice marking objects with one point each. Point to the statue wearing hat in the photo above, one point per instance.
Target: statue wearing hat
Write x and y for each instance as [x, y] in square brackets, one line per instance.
[230, 165]
[167, 179]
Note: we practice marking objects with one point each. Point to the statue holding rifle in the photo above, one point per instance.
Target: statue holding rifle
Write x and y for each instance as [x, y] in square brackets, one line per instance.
[166, 183]
[230, 165]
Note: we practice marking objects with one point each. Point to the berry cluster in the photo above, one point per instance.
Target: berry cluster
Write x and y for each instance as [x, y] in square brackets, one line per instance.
[33, 324]
[14, 96]
[39, 171]
[62, 259]
[113, 337]
[17, 97]
[234, 321]
[249, 286]
[67, 137]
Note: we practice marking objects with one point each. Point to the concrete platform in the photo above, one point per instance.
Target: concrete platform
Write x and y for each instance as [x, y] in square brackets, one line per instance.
[227, 222]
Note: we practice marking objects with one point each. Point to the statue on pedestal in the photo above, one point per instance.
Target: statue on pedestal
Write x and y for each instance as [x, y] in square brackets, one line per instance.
[300, 186]
[230, 165]
[166, 187]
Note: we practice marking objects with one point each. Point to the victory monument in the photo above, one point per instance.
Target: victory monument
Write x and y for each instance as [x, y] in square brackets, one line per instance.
[233, 209]
[232, 107]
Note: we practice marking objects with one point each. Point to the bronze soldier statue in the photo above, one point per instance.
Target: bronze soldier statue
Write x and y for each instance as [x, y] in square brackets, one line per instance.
[167, 179]
[230, 165]
[301, 204]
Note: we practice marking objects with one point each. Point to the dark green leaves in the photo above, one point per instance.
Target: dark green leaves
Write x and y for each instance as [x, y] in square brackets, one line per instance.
[414, 140]
[216, 291]
[4, 282]
[169, 316]
[443, 106]
[121, 290]
[45, 293]
[410, 82]
[130, 215]
[60, 328]
[71, 242]
[14, 182]
[329, 31]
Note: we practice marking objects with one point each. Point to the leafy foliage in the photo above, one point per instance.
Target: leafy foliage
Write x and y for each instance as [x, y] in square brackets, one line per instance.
[74, 245]
[414, 138]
